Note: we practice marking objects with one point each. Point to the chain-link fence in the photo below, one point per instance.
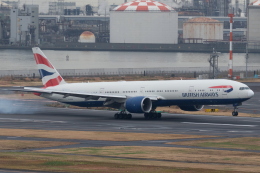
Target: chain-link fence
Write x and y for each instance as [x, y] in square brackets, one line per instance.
[171, 71]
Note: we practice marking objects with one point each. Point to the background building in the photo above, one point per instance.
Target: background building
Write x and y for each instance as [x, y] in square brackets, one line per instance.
[201, 29]
[253, 24]
[25, 25]
[61, 7]
[204, 8]
[143, 22]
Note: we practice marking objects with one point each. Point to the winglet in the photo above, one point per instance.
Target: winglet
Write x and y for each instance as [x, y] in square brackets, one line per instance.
[50, 76]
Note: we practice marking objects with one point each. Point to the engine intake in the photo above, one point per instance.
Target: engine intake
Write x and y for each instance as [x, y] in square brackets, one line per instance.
[191, 107]
[138, 104]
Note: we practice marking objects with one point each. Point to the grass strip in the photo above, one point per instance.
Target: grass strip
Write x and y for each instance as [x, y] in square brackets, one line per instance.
[93, 135]
[246, 143]
[71, 163]
[22, 144]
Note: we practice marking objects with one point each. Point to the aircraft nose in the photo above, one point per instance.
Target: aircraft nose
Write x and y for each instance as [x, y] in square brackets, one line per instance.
[250, 93]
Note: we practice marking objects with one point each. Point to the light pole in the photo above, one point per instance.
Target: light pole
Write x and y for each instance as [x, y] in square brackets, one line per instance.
[246, 56]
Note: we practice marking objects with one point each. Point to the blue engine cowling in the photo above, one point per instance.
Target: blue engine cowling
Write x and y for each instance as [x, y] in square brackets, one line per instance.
[138, 104]
[191, 107]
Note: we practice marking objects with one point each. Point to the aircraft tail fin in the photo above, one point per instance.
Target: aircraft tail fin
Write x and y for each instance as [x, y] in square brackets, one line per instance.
[50, 76]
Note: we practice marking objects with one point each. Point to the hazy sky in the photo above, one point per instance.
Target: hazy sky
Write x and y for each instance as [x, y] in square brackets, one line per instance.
[44, 4]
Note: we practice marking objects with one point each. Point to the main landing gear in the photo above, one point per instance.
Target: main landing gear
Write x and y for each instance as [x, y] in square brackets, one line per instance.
[235, 112]
[152, 115]
[123, 115]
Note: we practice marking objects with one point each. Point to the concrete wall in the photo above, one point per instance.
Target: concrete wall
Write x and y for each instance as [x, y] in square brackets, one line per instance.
[253, 23]
[143, 27]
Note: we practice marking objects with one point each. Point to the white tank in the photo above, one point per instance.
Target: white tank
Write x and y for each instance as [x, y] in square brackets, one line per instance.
[253, 24]
[144, 21]
[87, 37]
[197, 30]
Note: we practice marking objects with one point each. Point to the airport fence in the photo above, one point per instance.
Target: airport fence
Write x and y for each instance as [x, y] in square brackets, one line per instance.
[169, 71]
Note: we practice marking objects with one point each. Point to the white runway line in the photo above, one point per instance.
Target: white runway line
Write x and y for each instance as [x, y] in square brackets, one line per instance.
[251, 121]
[30, 120]
[216, 124]
[240, 131]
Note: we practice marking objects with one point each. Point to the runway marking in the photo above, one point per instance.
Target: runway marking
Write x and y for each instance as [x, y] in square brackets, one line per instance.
[240, 131]
[251, 121]
[31, 120]
[13, 137]
[216, 124]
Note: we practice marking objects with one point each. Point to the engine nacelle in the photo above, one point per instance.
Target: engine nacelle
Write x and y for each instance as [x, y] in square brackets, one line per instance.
[191, 107]
[138, 104]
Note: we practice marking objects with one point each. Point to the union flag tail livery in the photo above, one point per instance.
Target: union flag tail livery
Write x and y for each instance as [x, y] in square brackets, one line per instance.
[50, 76]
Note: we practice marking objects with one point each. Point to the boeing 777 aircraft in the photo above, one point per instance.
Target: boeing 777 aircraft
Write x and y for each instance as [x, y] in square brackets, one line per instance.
[138, 96]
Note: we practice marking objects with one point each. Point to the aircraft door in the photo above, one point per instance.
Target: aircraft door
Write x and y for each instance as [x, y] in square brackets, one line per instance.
[191, 89]
[102, 90]
[142, 90]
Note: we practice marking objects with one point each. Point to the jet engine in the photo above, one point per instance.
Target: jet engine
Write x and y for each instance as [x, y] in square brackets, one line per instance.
[191, 107]
[138, 104]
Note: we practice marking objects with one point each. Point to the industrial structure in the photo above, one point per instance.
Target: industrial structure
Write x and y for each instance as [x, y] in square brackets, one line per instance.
[198, 30]
[62, 8]
[206, 8]
[145, 21]
[24, 25]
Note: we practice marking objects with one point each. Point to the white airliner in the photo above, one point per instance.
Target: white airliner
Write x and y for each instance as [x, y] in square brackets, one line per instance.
[138, 96]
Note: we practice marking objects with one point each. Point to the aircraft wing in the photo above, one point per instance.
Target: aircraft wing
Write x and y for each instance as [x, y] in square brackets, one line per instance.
[76, 94]
[67, 93]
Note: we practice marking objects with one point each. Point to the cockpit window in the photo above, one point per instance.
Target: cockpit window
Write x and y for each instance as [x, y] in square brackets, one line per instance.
[244, 88]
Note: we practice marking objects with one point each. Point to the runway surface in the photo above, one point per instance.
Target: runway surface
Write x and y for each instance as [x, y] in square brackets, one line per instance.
[34, 114]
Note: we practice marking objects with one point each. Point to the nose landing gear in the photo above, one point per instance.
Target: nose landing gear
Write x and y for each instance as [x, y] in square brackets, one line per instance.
[235, 112]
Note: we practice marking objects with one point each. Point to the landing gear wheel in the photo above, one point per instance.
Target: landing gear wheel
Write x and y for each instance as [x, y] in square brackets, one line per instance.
[120, 116]
[234, 113]
[116, 116]
[129, 116]
[123, 115]
[152, 115]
